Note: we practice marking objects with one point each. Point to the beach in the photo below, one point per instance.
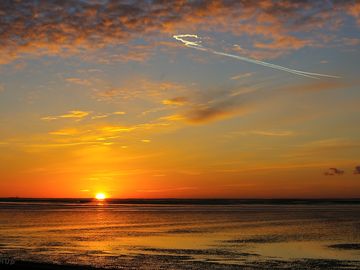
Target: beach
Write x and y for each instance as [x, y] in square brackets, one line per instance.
[199, 234]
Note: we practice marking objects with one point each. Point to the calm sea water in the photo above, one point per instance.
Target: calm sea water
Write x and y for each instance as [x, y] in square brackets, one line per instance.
[112, 235]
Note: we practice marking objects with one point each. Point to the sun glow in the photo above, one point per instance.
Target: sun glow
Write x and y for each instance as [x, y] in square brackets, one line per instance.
[100, 196]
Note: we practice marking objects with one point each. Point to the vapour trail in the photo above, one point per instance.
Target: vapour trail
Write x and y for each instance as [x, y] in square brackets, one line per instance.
[197, 45]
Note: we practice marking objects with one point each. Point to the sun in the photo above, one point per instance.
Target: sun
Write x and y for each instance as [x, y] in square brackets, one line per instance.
[100, 196]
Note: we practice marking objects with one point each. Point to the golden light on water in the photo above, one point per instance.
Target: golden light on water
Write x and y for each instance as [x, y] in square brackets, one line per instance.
[100, 196]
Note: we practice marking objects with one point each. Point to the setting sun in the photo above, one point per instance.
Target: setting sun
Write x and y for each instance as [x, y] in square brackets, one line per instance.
[100, 196]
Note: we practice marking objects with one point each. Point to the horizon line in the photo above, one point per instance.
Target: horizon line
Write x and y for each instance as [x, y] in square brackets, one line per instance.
[184, 198]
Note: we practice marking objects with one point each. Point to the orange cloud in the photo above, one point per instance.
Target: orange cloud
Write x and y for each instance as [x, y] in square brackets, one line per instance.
[75, 114]
[101, 116]
[78, 81]
[65, 28]
[177, 101]
[136, 88]
[354, 10]
[277, 133]
[71, 114]
[116, 129]
[173, 117]
[65, 132]
[119, 113]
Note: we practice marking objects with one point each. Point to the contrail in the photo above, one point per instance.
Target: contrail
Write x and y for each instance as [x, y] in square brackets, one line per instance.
[197, 45]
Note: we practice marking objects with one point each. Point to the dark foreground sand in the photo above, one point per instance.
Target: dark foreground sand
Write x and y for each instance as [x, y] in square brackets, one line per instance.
[151, 237]
[152, 263]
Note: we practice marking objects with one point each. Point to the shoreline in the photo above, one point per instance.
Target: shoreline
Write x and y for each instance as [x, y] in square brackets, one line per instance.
[28, 265]
[175, 201]
[163, 263]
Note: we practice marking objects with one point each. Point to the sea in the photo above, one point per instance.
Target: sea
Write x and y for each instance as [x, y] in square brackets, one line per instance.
[182, 234]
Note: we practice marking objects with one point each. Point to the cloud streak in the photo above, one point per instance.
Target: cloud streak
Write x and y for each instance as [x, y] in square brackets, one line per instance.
[71, 114]
[196, 44]
[176, 101]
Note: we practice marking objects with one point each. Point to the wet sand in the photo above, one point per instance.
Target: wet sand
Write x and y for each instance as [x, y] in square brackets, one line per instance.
[151, 262]
[191, 236]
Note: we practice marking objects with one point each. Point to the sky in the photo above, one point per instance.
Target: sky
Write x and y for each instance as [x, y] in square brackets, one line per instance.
[164, 99]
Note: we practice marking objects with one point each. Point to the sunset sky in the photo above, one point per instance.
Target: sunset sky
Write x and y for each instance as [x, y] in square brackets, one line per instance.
[98, 96]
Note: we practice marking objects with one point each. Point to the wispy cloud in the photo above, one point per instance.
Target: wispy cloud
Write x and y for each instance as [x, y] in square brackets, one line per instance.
[331, 143]
[332, 148]
[273, 133]
[106, 115]
[194, 41]
[317, 86]
[116, 129]
[242, 76]
[76, 114]
[177, 101]
[78, 81]
[65, 132]
[266, 133]
[219, 103]
[119, 113]
[94, 133]
[204, 114]
[100, 116]
[173, 117]
[141, 88]
[164, 190]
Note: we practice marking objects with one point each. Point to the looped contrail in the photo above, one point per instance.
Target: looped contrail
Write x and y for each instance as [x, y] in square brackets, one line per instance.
[196, 44]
